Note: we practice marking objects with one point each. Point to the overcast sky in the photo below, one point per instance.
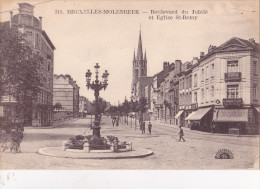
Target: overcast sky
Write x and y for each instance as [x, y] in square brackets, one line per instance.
[83, 40]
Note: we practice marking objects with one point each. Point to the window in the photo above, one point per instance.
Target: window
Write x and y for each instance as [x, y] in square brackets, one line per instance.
[49, 67]
[232, 91]
[190, 82]
[195, 97]
[212, 70]
[254, 67]
[202, 94]
[195, 80]
[202, 74]
[206, 72]
[29, 33]
[254, 92]
[206, 94]
[37, 40]
[212, 91]
[136, 73]
[232, 66]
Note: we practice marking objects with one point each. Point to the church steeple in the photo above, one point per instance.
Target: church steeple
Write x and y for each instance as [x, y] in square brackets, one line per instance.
[134, 56]
[145, 60]
[140, 49]
[139, 64]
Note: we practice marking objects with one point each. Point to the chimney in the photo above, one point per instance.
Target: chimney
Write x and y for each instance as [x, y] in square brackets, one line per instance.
[178, 66]
[40, 19]
[11, 16]
[165, 65]
[194, 60]
[211, 48]
[201, 54]
[252, 40]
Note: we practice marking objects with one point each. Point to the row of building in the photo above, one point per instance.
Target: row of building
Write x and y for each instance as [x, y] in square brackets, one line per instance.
[218, 91]
[56, 89]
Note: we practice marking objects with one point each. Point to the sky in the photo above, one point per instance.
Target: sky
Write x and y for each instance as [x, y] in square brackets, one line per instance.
[81, 40]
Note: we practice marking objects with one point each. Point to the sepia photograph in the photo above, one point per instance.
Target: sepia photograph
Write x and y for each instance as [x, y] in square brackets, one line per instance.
[129, 85]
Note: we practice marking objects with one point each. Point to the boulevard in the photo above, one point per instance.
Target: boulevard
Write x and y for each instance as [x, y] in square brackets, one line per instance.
[198, 152]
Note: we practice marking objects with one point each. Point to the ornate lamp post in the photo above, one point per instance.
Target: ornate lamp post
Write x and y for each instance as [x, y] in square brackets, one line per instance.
[96, 86]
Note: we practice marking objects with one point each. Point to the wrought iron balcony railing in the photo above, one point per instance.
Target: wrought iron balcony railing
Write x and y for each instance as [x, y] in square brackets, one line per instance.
[233, 76]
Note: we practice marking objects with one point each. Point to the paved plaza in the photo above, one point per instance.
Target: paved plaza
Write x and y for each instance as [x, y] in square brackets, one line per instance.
[198, 152]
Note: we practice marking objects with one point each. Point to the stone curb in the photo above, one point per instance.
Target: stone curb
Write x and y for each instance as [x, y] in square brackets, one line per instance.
[120, 155]
[54, 126]
[200, 132]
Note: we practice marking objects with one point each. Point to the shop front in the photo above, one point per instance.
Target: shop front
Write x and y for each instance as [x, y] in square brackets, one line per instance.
[233, 121]
[179, 118]
[201, 119]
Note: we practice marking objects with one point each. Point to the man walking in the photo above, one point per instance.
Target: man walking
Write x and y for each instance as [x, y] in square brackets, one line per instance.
[181, 134]
[150, 127]
[117, 121]
[143, 126]
[113, 121]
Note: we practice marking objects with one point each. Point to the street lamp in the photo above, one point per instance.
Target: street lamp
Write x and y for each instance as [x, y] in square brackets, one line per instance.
[96, 86]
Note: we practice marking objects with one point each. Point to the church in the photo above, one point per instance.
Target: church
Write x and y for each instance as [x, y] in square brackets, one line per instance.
[139, 78]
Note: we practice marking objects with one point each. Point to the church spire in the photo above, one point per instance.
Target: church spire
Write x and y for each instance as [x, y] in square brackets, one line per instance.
[134, 56]
[145, 60]
[140, 49]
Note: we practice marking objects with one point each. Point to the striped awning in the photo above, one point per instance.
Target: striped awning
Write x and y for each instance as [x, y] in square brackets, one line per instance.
[198, 115]
[189, 116]
[257, 109]
[178, 114]
[231, 115]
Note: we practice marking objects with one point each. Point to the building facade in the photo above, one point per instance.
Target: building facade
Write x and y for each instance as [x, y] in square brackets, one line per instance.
[38, 40]
[226, 88]
[82, 106]
[66, 92]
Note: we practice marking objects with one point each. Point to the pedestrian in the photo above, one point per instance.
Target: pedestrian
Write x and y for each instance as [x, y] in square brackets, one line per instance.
[143, 127]
[181, 134]
[113, 121]
[117, 121]
[150, 127]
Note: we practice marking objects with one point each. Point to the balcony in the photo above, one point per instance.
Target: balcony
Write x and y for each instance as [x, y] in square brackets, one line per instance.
[233, 76]
[194, 106]
[232, 102]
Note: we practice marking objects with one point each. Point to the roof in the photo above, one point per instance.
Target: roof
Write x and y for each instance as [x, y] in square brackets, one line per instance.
[48, 39]
[240, 44]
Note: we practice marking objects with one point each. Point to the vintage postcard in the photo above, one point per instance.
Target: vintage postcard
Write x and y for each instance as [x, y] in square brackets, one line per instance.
[129, 85]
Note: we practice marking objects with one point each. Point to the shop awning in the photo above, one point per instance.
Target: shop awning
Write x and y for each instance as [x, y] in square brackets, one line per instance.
[257, 109]
[188, 117]
[230, 115]
[195, 116]
[178, 114]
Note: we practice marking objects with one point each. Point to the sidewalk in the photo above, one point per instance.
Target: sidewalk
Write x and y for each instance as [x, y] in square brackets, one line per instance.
[56, 124]
[198, 132]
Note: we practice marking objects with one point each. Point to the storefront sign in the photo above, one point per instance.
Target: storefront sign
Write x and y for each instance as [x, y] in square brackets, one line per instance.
[194, 106]
[232, 102]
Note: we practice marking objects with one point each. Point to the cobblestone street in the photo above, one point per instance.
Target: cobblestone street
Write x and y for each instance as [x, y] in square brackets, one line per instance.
[198, 152]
